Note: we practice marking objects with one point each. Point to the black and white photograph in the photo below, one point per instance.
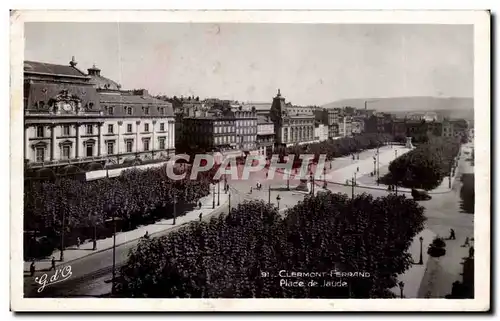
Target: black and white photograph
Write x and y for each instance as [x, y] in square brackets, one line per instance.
[250, 155]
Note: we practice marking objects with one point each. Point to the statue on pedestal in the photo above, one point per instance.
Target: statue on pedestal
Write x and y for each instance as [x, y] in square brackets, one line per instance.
[408, 143]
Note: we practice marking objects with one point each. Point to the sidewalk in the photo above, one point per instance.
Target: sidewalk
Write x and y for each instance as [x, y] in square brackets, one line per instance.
[412, 278]
[73, 253]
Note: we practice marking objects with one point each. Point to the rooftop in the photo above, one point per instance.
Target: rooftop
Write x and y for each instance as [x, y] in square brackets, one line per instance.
[53, 69]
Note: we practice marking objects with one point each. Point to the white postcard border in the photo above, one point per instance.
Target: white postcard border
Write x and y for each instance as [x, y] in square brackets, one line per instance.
[482, 103]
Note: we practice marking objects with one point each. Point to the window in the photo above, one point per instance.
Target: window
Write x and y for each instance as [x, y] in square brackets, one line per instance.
[162, 126]
[111, 110]
[110, 129]
[146, 144]
[40, 154]
[129, 111]
[162, 111]
[129, 128]
[66, 152]
[66, 130]
[111, 148]
[129, 146]
[89, 150]
[146, 127]
[162, 143]
[146, 110]
[39, 131]
[89, 130]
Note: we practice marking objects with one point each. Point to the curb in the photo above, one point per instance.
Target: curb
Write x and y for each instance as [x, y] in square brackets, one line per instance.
[129, 241]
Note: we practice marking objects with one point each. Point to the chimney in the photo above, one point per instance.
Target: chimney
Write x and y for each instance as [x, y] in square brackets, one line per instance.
[73, 62]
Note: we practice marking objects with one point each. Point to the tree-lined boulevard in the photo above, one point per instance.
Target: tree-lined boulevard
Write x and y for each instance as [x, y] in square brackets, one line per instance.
[91, 274]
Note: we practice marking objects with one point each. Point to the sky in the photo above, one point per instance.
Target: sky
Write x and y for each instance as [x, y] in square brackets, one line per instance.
[312, 64]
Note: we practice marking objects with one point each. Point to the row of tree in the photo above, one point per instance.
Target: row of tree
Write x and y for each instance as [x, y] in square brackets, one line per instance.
[80, 209]
[425, 166]
[241, 254]
[333, 148]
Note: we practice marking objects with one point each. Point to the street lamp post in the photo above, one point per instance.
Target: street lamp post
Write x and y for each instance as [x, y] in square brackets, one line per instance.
[353, 183]
[269, 195]
[213, 202]
[225, 183]
[324, 178]
[175, 209]
[113, 277]
[229, 197]
[401, 287]
[218, 193]
[278, 198]
[421, 261]
[378, 167]
[312, 184]
[449, 179]
[374, 165]
[61, 257]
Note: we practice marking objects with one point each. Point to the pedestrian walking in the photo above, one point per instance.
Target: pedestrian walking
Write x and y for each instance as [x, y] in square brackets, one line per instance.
[146, 236]
[452, 234]
[251, 189]
[78, 242]
[201, 215]
[471, 252]
[32, 268]
[199, 205]
[466, 244]
[53, 265]
[357, 169]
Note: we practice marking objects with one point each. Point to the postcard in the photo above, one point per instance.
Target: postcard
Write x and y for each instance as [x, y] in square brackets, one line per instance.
[250, 160]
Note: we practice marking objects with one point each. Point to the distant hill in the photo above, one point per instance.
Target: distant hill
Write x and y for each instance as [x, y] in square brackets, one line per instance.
[453, 107]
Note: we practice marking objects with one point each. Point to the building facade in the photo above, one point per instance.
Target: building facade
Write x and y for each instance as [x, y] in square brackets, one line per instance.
[85, 120]
[265, 135]
[209, 133]
[345, 127]
[320, 132]
[292, 124]
[245, 119]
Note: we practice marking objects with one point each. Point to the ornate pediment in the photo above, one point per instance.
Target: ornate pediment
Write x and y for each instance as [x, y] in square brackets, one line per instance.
[65, 103]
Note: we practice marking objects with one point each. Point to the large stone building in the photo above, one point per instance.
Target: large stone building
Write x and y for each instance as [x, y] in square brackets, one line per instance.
[292, 124]
[88, 121]
[210, 132]
[245, 118]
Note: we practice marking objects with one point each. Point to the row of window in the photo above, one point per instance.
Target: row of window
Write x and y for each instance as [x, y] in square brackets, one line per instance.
[40, 130]
[247, 130]
[241, 123]
[40, 152]
[224, 140]
[110, 110]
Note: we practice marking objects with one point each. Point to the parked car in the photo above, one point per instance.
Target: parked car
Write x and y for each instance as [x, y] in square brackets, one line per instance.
[420, 195]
